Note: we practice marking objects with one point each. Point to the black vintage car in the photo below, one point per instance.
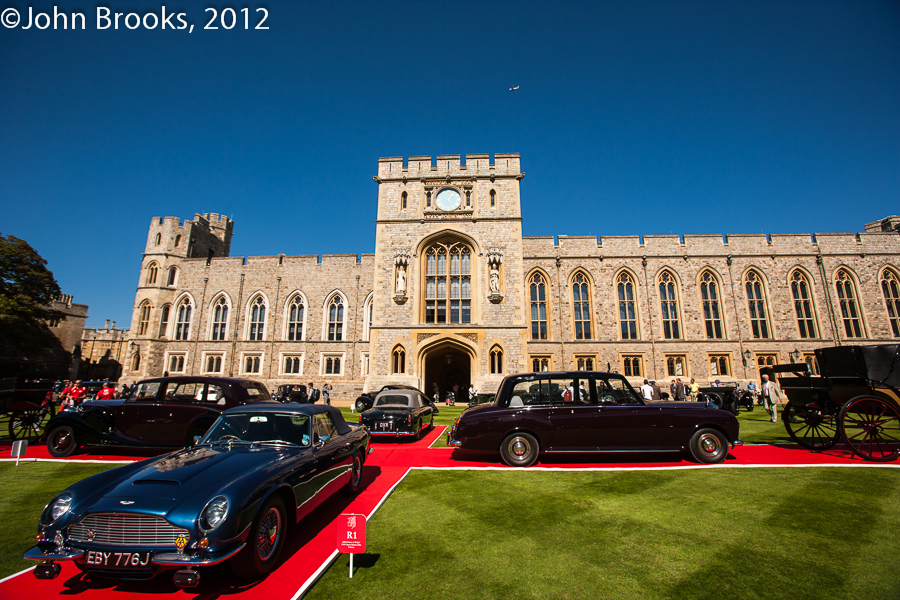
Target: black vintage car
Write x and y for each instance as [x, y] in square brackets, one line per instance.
[584, 411]
[234, 496]
[399, 412]
[729, 398]
[168, 412]
[367, 399]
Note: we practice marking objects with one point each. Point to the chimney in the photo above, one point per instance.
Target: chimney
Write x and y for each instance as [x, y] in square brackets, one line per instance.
[114, 325]
[107, 324]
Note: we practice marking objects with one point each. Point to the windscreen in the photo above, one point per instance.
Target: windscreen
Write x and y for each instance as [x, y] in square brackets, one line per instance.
[260, 427]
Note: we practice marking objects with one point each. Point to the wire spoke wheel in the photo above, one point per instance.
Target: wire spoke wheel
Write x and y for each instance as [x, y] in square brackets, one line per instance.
[870, 427]
[810, 427]
[269, 533]
[27, 424]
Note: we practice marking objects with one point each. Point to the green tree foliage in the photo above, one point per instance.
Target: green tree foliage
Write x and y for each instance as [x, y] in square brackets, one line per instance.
[27, 287]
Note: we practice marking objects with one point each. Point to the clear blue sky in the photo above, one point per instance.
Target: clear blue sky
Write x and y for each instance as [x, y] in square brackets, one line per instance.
[631, 118]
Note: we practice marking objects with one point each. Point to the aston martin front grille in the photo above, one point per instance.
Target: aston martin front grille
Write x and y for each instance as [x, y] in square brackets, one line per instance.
[127, 530]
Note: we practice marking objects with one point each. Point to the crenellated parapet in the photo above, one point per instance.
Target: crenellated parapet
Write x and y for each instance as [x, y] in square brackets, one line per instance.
[476, 165]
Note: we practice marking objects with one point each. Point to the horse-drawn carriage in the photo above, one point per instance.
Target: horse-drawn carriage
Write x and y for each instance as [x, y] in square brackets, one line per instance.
[727, 397]
[854, 400]
[27, 404]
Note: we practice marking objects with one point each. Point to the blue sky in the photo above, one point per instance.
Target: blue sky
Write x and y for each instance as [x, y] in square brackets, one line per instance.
[631, 118]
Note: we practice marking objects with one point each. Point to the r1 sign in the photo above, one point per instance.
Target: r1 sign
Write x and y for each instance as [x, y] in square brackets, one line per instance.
[351, 533]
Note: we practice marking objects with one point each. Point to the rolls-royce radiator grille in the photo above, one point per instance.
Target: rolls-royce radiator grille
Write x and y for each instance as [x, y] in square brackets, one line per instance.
[127, 530]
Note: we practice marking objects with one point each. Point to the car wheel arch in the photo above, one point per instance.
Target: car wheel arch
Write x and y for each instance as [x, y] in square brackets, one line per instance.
[530, 432]
[700, 426]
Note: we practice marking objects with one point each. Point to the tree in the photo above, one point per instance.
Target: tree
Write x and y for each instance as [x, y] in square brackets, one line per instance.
[27, 288]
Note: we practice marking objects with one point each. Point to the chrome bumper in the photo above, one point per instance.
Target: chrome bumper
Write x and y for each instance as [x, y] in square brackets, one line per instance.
[61, 554]
[173, 559]
[737, 443]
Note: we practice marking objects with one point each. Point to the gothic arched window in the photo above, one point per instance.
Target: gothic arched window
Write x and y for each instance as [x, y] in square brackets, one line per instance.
[295, 316]
[496, 360]
[336, 319]
[136, 362]
[846, 291]
[756, 304]
[219, 319]
[627, 312]
[448, 283]
[368, 311]
[257, 320]
[668, 306]
[890, 288]
[800, 290]
[398, 360]
[173, 275]
[712, 314]
[152, 270]
[183, 320]
[538, 307]
[164, 320]
[581, 307]
[144, 318]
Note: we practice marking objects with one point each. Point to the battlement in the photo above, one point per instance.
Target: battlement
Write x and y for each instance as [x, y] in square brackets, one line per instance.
[206, 235]
[476, 165]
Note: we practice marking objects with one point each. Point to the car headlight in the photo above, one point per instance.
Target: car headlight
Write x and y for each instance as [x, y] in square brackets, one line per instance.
[214, 513]
[60, 506]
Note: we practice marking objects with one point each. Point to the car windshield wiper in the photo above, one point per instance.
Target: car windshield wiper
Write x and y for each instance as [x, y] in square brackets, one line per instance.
[278, 443]
[228, 441]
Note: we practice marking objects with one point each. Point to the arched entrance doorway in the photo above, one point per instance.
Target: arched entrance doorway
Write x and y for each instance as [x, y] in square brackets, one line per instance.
[447, 365]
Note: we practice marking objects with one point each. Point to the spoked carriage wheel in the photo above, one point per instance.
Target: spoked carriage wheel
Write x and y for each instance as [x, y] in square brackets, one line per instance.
[810, 427]
[27, 424]
[870, 427]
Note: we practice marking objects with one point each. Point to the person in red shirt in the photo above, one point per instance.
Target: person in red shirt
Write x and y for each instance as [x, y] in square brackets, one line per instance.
[107, 393]
[77, 393]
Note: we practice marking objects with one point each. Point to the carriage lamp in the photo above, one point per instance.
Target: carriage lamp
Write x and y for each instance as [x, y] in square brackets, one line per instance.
[747, 356]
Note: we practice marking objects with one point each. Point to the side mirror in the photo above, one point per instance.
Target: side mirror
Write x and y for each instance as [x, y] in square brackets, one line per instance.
[196, 439]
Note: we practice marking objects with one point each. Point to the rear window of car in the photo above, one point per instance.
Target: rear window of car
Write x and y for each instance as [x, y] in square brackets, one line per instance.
[394, 400]
[255, 390]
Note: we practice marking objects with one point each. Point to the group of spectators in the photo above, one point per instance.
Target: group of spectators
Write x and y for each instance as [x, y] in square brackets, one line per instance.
[767, 396]
[71, 394]
[308, 394]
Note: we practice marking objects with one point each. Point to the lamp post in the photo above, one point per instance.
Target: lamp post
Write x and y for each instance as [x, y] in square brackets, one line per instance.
[747, 356]
[795, 356]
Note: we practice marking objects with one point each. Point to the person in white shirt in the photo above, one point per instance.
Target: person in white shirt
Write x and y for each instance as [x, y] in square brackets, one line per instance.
[770, 397]
[647, 390]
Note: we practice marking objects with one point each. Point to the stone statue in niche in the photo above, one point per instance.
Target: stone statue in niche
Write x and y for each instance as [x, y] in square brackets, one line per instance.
[494, 258]
[401, 280]
[495, 280]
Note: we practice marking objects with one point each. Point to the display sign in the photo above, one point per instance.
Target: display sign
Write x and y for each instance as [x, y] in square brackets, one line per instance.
[18, 449]
[351, 533]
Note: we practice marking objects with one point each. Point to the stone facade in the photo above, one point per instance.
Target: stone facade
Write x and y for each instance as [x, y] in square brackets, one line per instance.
[102, 352]
[454, 294]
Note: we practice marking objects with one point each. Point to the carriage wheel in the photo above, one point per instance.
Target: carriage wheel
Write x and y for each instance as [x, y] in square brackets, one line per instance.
[810, 427]
[26, 424]
[870, 427]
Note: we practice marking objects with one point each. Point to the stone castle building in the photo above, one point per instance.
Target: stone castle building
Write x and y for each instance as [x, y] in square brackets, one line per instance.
[455, 294]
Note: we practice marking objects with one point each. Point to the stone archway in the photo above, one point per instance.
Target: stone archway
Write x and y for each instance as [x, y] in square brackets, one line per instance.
[447, 364]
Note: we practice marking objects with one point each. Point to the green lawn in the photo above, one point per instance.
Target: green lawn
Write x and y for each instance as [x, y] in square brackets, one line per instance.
[706, 534]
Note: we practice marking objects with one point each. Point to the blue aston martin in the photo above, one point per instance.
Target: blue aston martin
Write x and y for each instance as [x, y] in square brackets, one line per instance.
[233, 495]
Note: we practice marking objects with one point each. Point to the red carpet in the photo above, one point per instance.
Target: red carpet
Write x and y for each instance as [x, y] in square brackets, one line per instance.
[312, 545]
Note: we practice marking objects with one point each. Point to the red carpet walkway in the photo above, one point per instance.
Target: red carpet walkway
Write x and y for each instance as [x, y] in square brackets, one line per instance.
[311, 549]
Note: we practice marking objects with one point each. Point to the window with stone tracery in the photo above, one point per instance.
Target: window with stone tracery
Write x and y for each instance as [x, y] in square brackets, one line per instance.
[668, 305]
[756, 305]
[152, 270]
[538, 307]
[398, 361]
[448, 283]
[890, 288]
[295, 314]
[144, 319]
[257, 319]
[627, 311]
[219, 320]
[712, 314]
[335, 320]
[803, 309]
[581, 307]
[183, 320]
[496, 360]
[846, 292]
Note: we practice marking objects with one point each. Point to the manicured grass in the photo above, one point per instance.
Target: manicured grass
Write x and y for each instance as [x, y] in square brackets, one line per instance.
[706, 534]
[24, 490]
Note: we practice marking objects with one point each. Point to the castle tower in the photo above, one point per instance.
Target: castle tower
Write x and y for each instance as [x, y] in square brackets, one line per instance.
[448, 305]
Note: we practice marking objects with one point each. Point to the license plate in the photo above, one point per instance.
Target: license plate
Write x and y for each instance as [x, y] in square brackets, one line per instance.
[383, 425]
[117, 560]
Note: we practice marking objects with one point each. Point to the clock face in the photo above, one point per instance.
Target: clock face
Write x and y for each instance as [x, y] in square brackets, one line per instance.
[447, 199]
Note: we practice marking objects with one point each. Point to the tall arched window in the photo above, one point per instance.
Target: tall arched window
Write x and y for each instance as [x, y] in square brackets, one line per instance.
[756, 304]
[800, 290]
[712, 314]
[496, 360]
[668, 306]
[627, 312]
[257, 319]
[144, 318]
[173, 275]
[368, 311]
[403, 201]
[158, 239]
[581, 307]
[448, 283]
[164, 320]
[493, 198]
[177, 240]
[295, 315]
[136, 362]
[219, 319]
[890, 288]
[538, 307]
[183, 320]
[152, 270]
[398, 360]
[336, 319]
[846, 292]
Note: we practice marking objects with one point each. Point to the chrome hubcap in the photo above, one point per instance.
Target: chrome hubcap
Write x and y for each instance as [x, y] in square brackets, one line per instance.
[520, 447]
[710, 444]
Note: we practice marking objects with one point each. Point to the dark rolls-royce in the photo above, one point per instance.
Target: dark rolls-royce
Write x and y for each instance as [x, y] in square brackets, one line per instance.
[589, 412]
[365, 400]
[167, 412]
[234, 496]
[399, 412]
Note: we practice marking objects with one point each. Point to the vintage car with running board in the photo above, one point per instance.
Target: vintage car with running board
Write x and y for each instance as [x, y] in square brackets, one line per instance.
[235, 495]
[582, 411]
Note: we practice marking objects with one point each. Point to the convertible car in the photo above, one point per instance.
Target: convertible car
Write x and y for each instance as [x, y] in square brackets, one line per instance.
[399, 412]
[589, 412]
[234, 495]
[165, 413]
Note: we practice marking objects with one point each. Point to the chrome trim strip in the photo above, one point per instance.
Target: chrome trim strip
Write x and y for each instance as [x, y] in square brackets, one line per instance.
[35, 553]
[176, 560]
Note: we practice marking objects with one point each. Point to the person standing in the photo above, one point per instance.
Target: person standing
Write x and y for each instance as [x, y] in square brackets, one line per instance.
[657, 393]
[751, 387]
[471, 393]
[326, 393]
[679, 390]
[312, 393]
[298, 394]
[436, 393]
[647, 390]
[107, 393]
[770, 397]
[695, 390]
